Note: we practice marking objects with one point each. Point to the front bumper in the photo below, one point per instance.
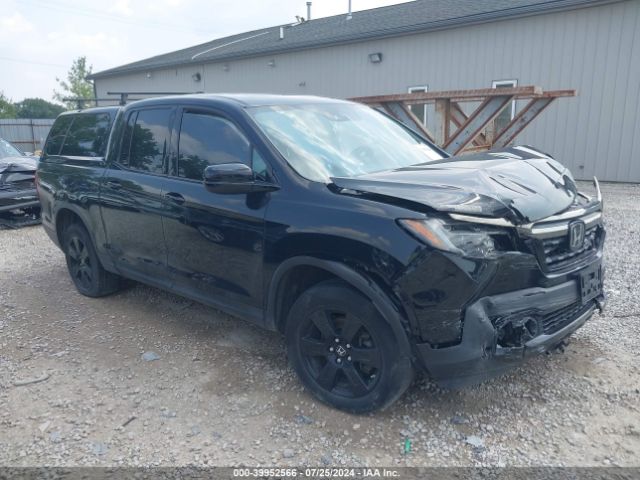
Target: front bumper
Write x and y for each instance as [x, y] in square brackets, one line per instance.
[18, 199]
[480, 356]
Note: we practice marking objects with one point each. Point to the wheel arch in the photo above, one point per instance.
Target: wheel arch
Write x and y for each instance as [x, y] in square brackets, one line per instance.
[278, 304]
[64, 217]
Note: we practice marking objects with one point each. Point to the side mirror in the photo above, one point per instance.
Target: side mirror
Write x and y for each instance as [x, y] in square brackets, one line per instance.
[234, 178]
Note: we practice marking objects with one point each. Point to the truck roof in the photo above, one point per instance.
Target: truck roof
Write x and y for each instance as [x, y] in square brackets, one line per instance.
[237, 99]
[109, 110]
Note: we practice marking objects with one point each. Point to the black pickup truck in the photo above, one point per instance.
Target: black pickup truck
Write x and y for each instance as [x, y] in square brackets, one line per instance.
[372, 250]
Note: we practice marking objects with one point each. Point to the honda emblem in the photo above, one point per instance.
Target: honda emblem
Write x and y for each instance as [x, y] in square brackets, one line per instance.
[576, 235]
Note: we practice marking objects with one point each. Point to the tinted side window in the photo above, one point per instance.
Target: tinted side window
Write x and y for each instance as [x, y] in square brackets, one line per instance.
[209, 140]
[149, 140]
[57, 134]
[87, 136]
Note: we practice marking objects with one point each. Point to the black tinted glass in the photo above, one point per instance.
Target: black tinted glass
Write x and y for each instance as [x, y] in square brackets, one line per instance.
[87, 136]
[150, 139]
[209, 140]
[57, 134]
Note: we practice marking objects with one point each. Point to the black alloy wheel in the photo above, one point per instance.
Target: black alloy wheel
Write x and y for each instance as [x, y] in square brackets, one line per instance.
[344, 351]
[340, 353]
[85, 269]
[79, 263]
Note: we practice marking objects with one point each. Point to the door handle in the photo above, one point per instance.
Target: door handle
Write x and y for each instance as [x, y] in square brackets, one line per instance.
[174, 197]
[114, 184]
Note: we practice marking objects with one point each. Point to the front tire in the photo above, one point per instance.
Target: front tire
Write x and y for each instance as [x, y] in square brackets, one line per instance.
[344, 351]
[85, 269]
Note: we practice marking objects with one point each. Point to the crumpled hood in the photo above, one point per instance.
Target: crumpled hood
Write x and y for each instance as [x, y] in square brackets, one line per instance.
[519, 183]
[16, 169]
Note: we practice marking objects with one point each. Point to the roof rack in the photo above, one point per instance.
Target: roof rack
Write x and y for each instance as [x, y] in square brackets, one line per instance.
[124, 98]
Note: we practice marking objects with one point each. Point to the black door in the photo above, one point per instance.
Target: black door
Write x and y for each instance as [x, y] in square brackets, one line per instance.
[214, 241]
[131, 196]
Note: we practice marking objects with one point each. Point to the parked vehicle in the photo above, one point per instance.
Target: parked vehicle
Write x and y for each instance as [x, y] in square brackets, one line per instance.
[17, 187]
[373, 251]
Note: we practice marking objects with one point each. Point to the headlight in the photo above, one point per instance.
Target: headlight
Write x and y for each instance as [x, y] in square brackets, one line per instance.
[463, 238]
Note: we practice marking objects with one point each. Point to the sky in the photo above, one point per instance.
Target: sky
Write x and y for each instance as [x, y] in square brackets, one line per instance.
[39, 39]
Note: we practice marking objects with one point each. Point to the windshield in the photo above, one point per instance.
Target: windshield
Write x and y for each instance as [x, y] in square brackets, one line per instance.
[8, 150]
[321, 141]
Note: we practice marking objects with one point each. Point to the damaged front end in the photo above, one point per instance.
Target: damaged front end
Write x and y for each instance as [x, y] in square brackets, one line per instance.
[19, 203]
[521, 302]
[512, 262]
[500, 331]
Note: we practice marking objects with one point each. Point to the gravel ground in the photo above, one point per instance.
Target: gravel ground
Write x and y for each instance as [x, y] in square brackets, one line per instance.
[147, 378]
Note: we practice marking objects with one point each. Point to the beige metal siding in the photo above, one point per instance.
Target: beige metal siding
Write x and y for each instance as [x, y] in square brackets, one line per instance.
[28, 134]
[595, 50]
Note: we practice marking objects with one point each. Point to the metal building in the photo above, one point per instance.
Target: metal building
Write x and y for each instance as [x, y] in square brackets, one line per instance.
[589, 45]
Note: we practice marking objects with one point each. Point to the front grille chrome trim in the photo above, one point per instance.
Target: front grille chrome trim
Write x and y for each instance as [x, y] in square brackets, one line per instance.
[498, 222]
[550, 242]
[569, 215]
[548, 229]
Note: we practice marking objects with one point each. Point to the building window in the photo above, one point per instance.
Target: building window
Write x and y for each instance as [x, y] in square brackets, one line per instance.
[509, 112]
[419, 109]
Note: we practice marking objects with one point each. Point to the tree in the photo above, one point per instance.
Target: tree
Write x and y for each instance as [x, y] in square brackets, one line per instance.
[7, 109]
[76, 85]
[37, 108]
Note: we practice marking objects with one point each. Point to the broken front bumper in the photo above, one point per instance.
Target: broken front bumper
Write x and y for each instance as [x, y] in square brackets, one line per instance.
[551, 313]
[14, 199]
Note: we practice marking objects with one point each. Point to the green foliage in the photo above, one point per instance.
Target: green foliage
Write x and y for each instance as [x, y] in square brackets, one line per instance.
[7, 109]
[76, 85]
[37, 108]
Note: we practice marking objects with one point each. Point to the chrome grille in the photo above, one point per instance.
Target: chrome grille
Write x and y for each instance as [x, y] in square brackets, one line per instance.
[549, 239]
[558, 255]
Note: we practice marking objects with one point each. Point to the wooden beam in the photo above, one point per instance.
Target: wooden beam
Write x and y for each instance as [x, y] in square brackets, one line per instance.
[470, 131]
[464, 95]
[458, 118]
[521, 120]
[405, 115]
[443, 113]
[486, 112]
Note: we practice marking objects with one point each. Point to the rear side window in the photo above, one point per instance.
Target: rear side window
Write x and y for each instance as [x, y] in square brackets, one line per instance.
[209, 140]
[57, 134]
[149, 140]
[87, 136]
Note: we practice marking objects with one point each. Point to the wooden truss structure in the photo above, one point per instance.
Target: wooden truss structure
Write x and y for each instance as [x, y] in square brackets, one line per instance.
[474, 131]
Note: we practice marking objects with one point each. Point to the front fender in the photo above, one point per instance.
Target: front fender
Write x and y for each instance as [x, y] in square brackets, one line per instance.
[387, 308]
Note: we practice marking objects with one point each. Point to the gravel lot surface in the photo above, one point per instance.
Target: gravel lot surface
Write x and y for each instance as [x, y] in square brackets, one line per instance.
[147, 378]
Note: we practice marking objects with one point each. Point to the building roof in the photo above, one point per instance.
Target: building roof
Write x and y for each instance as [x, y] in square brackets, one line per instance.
[405, 18]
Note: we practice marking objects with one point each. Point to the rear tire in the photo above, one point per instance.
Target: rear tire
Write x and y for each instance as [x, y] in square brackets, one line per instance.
[344, 351]
[85, 269]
